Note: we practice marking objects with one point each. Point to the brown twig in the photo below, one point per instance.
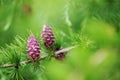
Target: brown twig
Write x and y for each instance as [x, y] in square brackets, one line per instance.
[42, 58]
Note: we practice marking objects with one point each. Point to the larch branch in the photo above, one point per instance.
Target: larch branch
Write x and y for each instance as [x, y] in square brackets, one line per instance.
[42, 58]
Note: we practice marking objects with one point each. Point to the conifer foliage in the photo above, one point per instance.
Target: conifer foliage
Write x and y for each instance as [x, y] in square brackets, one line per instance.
[33, 52]
[81, 40]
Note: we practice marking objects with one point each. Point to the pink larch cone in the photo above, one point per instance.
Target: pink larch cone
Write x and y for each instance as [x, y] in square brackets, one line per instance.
[60, 56]
[47, 36]
[33, 48]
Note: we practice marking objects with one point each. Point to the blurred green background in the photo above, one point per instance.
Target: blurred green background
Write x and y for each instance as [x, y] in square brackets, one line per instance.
[94, 25]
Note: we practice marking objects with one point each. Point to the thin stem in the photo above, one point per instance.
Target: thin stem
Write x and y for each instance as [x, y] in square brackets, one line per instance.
[42, 58]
